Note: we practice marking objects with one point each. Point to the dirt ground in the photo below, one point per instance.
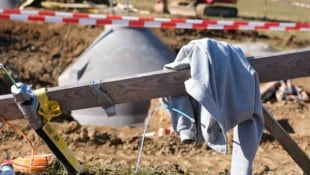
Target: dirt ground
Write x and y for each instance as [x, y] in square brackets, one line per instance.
[36, 53]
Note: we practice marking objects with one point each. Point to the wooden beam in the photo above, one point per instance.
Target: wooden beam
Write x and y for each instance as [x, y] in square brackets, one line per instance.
[121, 90]
[291, 147]
[284, 65]
[162, 83]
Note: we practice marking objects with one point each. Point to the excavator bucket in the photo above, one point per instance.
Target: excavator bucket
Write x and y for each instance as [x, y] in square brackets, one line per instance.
[203, 8]
[221, 10]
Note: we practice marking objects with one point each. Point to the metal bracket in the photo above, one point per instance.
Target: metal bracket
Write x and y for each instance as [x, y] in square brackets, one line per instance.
[103, 98]
[27, 104]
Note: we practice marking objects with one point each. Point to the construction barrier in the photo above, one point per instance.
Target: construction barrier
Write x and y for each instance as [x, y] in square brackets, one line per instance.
[148, 22]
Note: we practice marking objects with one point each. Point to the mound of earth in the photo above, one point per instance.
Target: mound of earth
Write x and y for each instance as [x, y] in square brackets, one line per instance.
[36, 53]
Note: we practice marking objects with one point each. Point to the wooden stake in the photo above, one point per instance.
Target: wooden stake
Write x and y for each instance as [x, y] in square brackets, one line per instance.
[291, 147]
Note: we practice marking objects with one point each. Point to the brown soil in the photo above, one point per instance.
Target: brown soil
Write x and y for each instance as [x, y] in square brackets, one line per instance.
[36, 53]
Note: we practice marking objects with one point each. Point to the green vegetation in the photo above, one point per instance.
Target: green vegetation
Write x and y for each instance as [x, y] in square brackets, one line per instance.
[275, 10]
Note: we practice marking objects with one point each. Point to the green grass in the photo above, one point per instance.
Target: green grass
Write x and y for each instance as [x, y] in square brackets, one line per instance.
[120, 169]
[140, 4]
[280, 10]
[274, 10]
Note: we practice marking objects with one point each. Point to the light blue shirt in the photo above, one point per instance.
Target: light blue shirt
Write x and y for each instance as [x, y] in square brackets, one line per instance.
[223, 93]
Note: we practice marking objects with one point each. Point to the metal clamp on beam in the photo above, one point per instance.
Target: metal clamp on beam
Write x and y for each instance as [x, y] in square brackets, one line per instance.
[27, 104]
[103, 98]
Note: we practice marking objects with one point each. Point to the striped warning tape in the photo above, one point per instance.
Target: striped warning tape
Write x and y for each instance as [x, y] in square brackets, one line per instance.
[149, 22]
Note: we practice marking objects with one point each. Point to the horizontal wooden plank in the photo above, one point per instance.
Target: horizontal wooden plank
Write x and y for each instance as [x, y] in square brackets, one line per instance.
[121, 90]
[284, 65]
[162, 83]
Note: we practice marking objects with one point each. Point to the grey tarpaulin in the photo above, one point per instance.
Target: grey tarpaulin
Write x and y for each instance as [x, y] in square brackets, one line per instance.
[117, 52]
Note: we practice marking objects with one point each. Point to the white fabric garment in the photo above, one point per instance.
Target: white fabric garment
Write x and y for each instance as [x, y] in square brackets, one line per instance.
[223, 93]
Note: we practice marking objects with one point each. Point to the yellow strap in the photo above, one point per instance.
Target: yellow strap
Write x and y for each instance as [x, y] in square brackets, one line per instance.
[62, 146]
[47, 109]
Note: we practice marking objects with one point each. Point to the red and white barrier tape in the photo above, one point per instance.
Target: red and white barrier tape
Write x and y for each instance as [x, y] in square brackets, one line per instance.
[149, 22]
